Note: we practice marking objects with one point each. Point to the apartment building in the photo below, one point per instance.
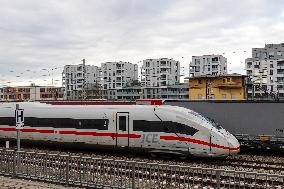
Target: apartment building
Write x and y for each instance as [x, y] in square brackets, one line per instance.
[129, 93]
[116, 75]
[76, 79]
[178, 91]
[265, 71]
[160, 72]
[31, 93]
[208, 65]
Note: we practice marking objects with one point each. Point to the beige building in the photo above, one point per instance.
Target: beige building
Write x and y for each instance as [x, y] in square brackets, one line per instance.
[31, 93]
[224, 87]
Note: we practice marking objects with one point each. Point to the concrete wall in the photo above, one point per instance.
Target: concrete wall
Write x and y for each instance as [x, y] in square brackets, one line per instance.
[254, 118]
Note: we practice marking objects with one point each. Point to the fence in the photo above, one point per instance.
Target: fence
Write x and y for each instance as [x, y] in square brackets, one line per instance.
[109, 173]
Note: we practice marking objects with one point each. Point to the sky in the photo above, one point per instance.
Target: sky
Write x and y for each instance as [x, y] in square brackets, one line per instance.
[37, 37]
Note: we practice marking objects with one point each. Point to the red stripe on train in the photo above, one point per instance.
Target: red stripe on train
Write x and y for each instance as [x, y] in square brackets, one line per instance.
[117, 135]
[195, 141]
[113, 135]
[84, 133]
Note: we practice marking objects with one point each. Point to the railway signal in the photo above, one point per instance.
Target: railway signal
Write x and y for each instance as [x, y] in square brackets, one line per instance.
[19, 117]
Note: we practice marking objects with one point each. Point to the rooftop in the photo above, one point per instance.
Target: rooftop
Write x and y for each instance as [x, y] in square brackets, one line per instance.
[217, 76]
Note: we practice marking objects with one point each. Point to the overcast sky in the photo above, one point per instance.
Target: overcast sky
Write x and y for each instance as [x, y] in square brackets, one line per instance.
[36, 35]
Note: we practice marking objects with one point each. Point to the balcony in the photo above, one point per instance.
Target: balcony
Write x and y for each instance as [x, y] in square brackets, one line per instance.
[232, 85]
[196, 86]
[164, 66]
[163, 71]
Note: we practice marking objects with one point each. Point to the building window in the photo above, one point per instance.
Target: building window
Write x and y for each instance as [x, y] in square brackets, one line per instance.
[199, 96]
[228, 79]
[233, 97]
[224, 96]
[199, 81]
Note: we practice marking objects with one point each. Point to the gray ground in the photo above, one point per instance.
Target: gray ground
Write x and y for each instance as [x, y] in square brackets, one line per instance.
[10, 183]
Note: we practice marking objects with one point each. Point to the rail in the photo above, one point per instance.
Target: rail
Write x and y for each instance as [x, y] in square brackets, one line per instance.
[109, 173]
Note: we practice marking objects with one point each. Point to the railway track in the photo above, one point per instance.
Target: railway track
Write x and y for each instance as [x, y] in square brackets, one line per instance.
[152, 173]
[252, 163]
[156, 174]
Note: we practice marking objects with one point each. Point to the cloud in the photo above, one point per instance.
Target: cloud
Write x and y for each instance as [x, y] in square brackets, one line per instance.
[38, 35]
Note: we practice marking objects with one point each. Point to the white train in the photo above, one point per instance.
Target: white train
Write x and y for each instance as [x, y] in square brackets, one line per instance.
[155, 129]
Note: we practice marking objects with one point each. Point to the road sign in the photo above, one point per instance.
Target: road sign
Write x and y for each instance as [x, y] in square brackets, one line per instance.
[20, 121]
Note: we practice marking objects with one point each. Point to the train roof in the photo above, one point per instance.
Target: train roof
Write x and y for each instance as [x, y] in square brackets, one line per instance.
[24, 105]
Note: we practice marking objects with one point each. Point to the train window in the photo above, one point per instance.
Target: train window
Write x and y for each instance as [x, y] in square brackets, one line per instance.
[122, 123]
[174, 127]
[45, 122]
[7, 121]
[148, 126]
[163, 126]
[184, 129]
[100, 124]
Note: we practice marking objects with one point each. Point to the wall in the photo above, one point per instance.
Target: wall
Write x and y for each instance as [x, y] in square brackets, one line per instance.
[254, 118]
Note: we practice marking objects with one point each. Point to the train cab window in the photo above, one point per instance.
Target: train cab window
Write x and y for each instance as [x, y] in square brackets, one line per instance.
[122, 123]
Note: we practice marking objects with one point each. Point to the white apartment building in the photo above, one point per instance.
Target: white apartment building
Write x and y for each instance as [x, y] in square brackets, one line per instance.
[270, 51]
[265, 71]
[75, 79]
[266, 77]
[208, 65]
[160, 72]
[116, 75]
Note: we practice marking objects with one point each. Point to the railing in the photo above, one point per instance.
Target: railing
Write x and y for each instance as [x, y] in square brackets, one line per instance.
[110, 173]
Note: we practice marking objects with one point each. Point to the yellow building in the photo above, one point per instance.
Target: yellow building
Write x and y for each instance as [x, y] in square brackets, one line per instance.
[223, 87]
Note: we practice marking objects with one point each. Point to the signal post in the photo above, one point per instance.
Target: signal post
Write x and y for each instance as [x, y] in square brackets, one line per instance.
[19, 117]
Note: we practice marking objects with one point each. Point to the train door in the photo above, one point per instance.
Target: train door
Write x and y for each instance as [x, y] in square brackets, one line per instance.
[122, 129]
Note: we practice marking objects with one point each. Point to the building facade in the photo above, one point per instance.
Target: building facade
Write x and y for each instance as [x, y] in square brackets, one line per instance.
[265, 71]
[223, 87]
[31, 93]
[76, 79]
[179, 91]
[160, 72]
[208, 65]
[116, 75]
[129, 93]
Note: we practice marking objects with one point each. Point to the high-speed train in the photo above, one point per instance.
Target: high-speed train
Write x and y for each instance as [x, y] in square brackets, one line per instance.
[155, 129]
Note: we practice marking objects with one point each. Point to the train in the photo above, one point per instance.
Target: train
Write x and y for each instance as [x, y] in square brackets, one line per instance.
[155, 129]
[258, 125]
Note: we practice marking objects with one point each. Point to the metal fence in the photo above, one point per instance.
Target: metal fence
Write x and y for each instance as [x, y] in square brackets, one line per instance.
[110, 173]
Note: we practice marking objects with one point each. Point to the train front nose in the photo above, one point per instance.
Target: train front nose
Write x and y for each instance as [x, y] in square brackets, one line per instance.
[234, 145]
